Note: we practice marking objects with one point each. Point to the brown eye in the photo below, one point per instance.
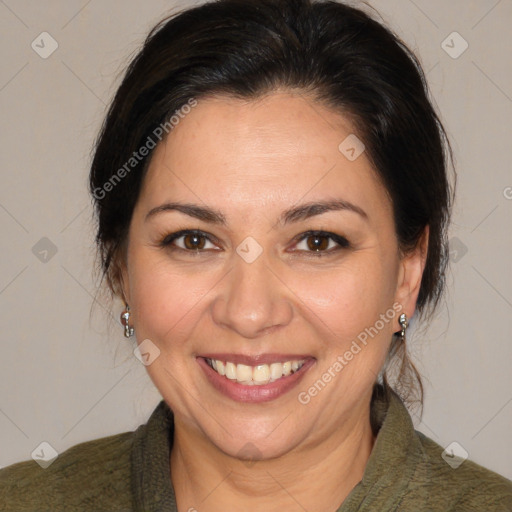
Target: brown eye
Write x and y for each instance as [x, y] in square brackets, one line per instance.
[317, 242]
[194, 241]
[321, 242]
[188, 241]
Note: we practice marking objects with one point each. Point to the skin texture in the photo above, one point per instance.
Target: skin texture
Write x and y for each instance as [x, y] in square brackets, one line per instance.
[251, 161]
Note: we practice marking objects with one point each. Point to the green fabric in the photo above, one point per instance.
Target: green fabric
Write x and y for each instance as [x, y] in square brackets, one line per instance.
[130, 472]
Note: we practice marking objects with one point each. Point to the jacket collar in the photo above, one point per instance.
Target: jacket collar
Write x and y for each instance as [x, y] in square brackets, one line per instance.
[151, 471]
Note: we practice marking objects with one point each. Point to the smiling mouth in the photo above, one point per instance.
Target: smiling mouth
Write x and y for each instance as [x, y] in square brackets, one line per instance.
[258, 375]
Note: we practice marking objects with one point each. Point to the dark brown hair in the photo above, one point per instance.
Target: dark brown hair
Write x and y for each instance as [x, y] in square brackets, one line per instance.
[245, 49]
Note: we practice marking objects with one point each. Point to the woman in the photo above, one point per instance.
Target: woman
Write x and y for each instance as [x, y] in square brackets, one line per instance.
[272, 200]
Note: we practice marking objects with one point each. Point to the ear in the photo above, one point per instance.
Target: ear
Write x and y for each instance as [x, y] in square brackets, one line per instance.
[410, 272]
[118, 276]
[123, 283]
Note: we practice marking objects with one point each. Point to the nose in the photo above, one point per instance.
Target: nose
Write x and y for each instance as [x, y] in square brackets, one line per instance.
[252, 300]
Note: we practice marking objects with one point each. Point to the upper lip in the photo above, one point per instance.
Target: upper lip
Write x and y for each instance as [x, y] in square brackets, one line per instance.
[255, 359]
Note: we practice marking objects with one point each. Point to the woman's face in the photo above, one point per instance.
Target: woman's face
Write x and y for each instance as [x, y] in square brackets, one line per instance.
[259, 244]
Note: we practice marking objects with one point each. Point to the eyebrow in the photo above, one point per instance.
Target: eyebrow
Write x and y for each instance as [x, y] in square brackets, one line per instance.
[307, 210]
[294, 214]
[192, 210]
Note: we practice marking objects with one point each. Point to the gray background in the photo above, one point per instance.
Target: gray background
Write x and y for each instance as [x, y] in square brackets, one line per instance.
[67, 377]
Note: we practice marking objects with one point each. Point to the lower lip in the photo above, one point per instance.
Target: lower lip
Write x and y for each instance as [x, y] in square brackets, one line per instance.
[254, 394]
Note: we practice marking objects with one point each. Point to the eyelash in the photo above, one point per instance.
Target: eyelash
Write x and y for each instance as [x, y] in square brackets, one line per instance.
[342, 243]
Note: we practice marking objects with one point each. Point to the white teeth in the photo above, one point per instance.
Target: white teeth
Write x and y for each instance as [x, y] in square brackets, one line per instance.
[276, 371]
[255, 375]
[230, 371]
[261, 374]
[221, 368]
[243, 373]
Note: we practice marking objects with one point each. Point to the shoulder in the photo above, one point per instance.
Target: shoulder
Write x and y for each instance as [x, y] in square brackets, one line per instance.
[463, 485]
[414, 472]
[94, 475]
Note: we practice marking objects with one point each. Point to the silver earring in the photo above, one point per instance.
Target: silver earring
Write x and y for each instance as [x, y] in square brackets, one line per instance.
[125, 318]
[404, 323]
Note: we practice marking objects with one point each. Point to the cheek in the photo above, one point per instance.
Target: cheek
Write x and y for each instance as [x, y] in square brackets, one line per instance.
[351, 298]
[167, 302]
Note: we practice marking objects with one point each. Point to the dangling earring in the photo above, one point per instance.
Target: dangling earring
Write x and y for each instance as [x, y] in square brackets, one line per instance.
[125, 318]
[404, 323]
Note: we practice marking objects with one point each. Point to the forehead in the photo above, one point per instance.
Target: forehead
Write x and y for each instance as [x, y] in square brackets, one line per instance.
[282, 147]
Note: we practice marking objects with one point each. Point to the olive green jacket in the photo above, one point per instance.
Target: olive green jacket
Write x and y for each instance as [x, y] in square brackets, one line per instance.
[131, 472]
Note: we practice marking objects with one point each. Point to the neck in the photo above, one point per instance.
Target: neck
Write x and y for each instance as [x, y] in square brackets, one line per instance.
[317, 476]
